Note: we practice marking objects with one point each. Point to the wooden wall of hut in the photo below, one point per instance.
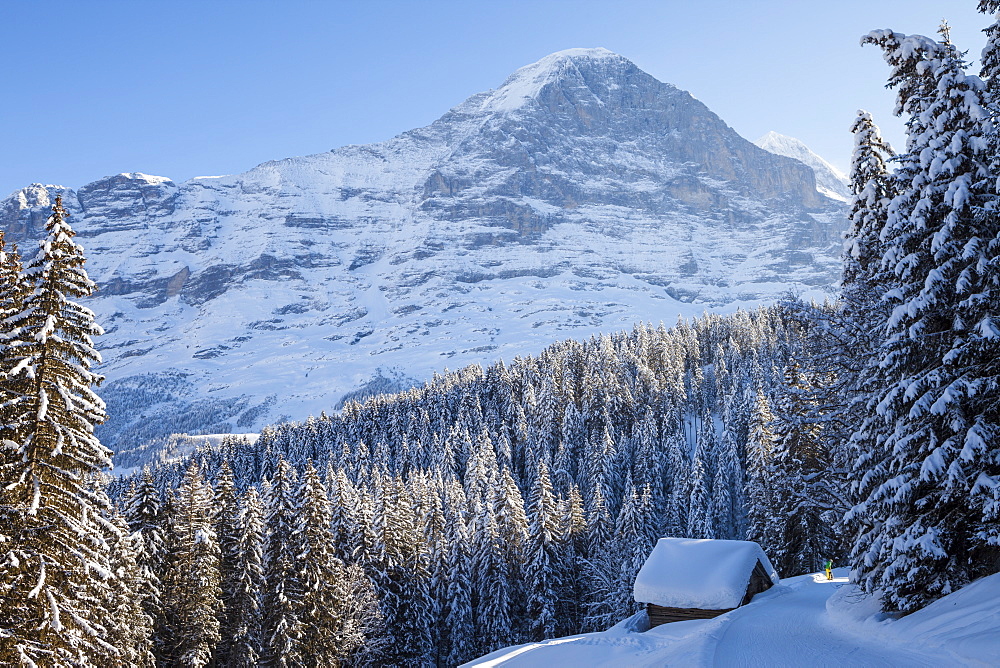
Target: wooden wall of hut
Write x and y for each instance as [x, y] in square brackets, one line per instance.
[659, 614]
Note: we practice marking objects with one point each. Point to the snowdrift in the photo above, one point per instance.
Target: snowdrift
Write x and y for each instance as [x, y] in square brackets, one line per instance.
[804, 621]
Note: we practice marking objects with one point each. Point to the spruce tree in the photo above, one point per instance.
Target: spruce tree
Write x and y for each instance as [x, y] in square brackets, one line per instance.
[801, 459]
[13, 289]
[146, 522]
[512, 530]
[542, 557]
[399, 569]
[245, 606]
[54, 568]
[228, 530]
[333, 625]
[192, 595]
[762, 526]
[699, 520]
[491, 578]
[630, 549]
[676, 475]
[283, 588]
[727, 489]
[990, 57]
[572, 575]
[926, 516]
[872, 190]
[865, 279]
[459, 637]
[130, 627]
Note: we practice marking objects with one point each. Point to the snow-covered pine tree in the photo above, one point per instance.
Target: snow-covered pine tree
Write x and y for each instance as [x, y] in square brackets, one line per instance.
[542, 557]
[562, 464]
[872, 190]
[191, 593]
[572, 574]
[928, 491]
[491, 579]
[600, 566]
[611, 572]
[573, 436]
[631, 547]
[343, 506]
[130, 628]
[283, 588]
[433, 522]
[333, 626]
[227, 530]
[676, 470]
[147, 524]
[597, 474]
[864, 281]
[512, 531]
[801, 458]
[399, 570]
[460, 635]
[762, 526]
[646, 463]
[244, 613]
[990, 56]
[144, 515]
[13, 289]
[699, 517]
[727, 488]
[55, 565]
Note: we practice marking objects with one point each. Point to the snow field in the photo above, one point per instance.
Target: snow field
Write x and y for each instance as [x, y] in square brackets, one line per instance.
[805, 621]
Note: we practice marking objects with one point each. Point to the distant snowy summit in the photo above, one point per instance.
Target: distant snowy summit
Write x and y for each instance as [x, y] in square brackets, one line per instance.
[527, 83]
[579, 196]
[829, 180]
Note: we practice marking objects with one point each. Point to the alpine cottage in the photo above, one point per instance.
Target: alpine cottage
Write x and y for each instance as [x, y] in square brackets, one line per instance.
[684, 578]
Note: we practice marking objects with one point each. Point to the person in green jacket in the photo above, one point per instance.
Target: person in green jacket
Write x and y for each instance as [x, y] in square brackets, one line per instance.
[829, 569]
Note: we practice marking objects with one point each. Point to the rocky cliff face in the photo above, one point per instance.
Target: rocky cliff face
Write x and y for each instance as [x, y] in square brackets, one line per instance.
[830, 181]
[580, 196]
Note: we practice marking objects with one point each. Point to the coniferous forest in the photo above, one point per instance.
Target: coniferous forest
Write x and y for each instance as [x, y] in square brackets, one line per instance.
[516, 502]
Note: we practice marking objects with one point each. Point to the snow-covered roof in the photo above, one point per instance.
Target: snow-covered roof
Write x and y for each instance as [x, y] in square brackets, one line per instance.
[703, 574]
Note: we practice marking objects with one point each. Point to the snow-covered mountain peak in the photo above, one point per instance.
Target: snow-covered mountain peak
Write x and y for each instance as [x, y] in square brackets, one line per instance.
[146, 178]
[36, 194]
[571, 65]
[829, 180]
[581, 196]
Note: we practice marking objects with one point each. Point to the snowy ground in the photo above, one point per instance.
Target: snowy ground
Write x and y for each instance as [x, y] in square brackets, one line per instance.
[804, 621]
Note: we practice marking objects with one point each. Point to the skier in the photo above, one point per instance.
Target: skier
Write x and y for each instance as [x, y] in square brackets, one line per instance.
[829, 569]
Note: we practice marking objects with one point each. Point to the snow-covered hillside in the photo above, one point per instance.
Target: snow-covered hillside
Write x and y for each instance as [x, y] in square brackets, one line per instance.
[804, 621]
[580, 196]
[829, 180]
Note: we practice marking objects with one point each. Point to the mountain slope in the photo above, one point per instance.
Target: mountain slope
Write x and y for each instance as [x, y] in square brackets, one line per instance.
[829, 180]
[581, 195]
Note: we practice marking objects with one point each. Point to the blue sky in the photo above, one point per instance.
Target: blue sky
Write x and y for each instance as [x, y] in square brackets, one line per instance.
[183, 89]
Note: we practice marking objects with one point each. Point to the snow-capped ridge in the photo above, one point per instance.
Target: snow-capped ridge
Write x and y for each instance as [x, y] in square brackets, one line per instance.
[607, 198]
[36, 194]
[829, 180]
[526, 83]
[147, 178]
